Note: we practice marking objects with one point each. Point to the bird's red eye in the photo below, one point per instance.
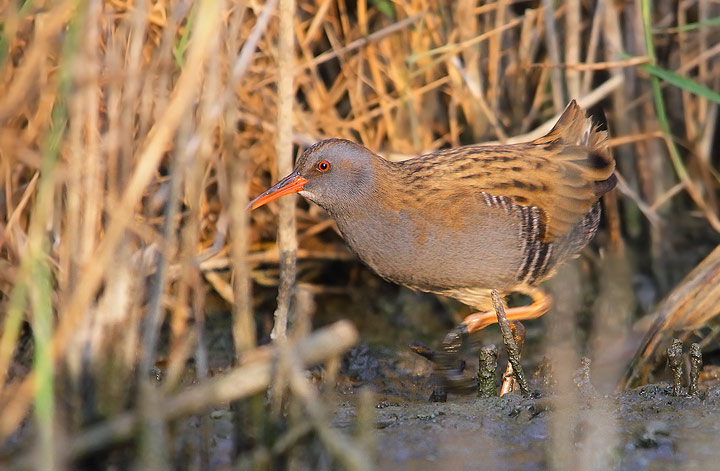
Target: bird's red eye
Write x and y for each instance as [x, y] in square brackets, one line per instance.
[323, 166]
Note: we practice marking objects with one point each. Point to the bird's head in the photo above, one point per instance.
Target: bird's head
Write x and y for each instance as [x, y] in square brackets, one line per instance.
[334, 173]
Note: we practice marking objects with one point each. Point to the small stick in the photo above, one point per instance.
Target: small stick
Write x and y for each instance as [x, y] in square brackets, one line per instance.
[510, 345]
[674, 354]
[486, 372]
[696, 363]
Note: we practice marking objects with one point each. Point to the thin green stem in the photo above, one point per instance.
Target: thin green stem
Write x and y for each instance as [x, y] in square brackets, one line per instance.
[657, 94]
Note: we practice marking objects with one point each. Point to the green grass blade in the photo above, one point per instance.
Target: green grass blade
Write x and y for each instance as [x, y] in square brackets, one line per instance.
[181, 48]
[709, 23]
[681, 82]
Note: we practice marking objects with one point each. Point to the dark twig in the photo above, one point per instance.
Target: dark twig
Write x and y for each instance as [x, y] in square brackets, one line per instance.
[486, 371]
[674, 355]
[696, 363]
[510, 345]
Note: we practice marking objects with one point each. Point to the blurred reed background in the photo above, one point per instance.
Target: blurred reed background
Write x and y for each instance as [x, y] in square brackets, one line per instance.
[132, 133]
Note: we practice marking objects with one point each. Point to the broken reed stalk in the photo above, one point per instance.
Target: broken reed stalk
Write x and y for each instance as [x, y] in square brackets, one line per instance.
[486, 372]
[674, 356]
[696, 363]
[253, 376]
[287, 241]
[510, 345]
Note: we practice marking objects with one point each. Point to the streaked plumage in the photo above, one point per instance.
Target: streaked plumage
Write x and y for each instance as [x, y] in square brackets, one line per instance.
[466, 220]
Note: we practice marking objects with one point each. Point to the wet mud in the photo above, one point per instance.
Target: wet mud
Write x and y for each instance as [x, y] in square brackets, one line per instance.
[643, 428]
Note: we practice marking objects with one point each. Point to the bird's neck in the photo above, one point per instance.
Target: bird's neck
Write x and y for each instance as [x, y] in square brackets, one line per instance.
[368, 196]
[377, 213]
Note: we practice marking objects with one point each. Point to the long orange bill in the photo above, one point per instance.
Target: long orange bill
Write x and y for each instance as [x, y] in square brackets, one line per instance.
[293, 183]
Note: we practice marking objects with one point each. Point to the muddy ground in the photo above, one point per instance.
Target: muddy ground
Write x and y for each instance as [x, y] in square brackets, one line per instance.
[643, 428]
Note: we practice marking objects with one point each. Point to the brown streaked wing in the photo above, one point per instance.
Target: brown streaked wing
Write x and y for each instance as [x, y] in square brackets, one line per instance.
[557, 173]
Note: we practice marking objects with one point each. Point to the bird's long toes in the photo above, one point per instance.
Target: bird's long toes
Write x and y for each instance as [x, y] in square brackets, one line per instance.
[449, 367]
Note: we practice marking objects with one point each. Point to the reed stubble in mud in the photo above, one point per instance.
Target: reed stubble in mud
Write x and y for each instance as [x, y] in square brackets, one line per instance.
[487, 372]
[696, 364]
[689, 306]
[675, 361]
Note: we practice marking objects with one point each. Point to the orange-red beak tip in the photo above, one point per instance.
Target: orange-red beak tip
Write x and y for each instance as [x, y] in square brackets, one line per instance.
[293, 183]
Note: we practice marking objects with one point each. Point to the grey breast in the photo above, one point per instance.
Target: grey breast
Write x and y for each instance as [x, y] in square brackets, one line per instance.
[479, 247]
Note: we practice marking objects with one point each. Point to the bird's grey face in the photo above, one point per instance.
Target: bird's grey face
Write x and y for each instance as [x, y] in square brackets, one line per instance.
[334, 173]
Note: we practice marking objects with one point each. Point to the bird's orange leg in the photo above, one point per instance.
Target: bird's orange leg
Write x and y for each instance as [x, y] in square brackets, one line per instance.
[509, 384]
[446, 359]
[541, 304]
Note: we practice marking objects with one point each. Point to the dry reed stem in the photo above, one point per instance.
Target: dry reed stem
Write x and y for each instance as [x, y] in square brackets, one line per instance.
[573, 27]
[592, 66]
[240, 296]
[51, 23]
[73, 311]
[551, 42]
[586, 101]
[593, 45]
[251, 377]
[287, 241]
[243, 59]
